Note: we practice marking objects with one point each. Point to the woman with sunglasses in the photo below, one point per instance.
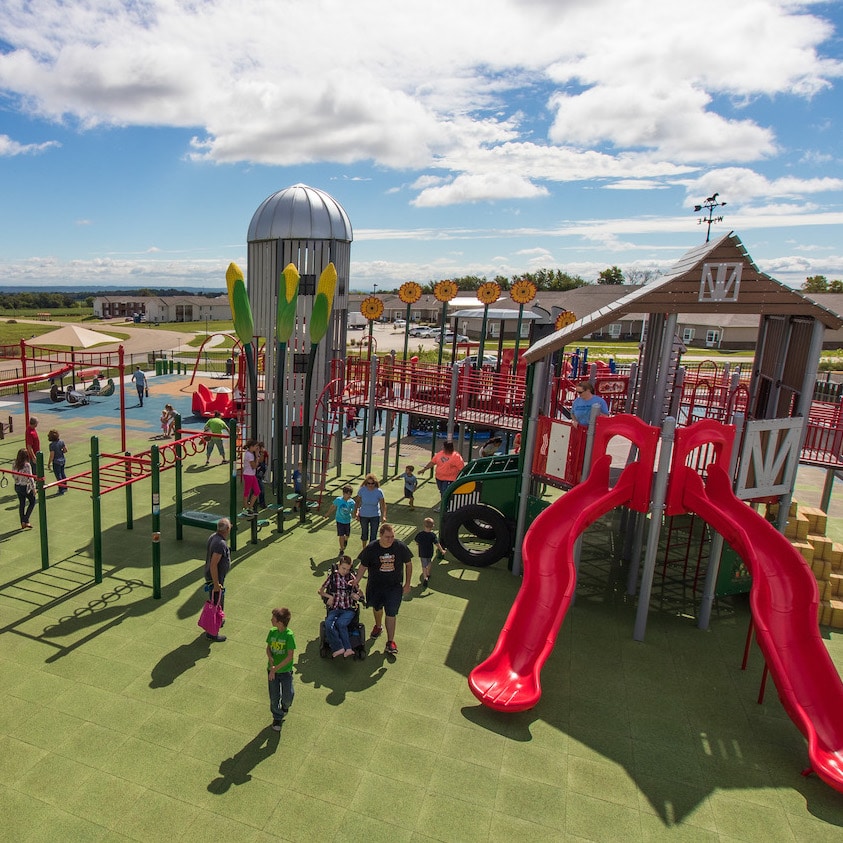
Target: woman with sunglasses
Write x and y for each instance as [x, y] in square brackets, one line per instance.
[371, 508]
[585, 400]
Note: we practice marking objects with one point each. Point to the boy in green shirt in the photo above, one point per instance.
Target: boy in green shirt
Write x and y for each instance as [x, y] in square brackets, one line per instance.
[216, 426]
[280, 650]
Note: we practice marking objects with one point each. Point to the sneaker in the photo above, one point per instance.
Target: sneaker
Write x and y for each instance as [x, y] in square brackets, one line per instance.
[424, 582]
[391, 649]
[376, 631]
[219, 638]
[276, 725]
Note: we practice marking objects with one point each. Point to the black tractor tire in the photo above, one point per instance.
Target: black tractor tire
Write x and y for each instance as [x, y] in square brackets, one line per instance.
[482, 529]
[494, 526]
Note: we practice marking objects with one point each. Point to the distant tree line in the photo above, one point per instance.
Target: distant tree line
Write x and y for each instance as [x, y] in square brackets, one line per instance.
[821, 284]
[45, 300]
[552, 279]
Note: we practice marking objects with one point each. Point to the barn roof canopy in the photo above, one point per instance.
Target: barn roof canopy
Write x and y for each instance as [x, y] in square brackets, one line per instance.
[718, 277]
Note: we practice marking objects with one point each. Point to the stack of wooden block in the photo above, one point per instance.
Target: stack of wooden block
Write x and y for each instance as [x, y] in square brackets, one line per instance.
[806, 529]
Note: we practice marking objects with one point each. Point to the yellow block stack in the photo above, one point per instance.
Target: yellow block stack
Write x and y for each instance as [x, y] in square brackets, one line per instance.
[806, 529]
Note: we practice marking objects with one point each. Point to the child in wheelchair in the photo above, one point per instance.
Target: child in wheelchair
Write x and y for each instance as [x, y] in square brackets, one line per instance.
[341, 633]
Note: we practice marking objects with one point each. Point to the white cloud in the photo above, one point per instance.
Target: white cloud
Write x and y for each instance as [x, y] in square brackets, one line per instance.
[738, 184]
[635, 90]
[10, 148]
[475, 188]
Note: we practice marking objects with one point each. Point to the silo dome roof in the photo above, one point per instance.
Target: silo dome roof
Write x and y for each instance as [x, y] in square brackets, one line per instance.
[300, 213]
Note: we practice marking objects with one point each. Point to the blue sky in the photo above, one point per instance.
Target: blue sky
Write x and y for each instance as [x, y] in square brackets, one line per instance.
[138, 138]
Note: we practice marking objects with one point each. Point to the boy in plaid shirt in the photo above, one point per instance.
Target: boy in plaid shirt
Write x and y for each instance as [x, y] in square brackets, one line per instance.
[341, 594]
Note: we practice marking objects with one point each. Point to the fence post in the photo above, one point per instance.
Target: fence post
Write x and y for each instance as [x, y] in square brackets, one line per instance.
[179, 480]
[96, 508]
[42, 513]
[232, 481]
[130, 524]
[156, 523]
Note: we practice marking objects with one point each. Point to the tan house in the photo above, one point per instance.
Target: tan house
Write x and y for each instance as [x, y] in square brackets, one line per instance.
[163, 308]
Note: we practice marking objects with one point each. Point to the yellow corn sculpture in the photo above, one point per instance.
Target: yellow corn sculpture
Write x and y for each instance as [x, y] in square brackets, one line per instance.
[322, 304]
[238, 299]
[288, 297]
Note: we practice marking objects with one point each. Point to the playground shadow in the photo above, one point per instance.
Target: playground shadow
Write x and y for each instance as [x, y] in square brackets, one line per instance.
[323, 568]
[112, 606]
[237, 769]
[179, 661]
[340, 676]
[682, 724]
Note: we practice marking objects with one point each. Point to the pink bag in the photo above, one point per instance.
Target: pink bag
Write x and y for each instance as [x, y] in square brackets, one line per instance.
[211, 618]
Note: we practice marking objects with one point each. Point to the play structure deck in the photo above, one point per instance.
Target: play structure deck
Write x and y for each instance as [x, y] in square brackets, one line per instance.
[495, 399]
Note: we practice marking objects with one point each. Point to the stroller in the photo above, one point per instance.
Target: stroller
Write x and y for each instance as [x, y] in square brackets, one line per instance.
[356, 631]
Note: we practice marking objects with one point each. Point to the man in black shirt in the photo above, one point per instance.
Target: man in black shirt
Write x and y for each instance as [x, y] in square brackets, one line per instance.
[390, 567]
[217, 563]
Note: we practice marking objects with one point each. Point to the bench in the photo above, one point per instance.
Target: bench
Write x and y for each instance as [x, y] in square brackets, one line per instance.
[203, 520]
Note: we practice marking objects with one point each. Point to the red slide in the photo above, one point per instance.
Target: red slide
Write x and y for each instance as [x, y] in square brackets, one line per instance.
[509, 679]
[784, 600]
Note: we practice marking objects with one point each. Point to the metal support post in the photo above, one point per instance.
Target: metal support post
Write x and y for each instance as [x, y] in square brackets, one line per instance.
[534, 384]
[656, 512]
[156, 521]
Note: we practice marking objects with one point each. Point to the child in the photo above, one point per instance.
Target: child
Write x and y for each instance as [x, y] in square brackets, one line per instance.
[251, 490]
[350, 421]
[280, 650]
[24, 487]
[426, 540]
[340, 593]
[167, 421]
[261, 465]
[57, 459]
[410, 483]
[297, 485]
[344, 507]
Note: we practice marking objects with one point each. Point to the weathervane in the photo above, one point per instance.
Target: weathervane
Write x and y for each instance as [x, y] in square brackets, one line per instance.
[710, 204]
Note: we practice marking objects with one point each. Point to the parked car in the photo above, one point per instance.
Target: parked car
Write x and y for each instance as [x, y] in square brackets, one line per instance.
[489, 360]
[399, 323]
[449, 337]
[422, 331]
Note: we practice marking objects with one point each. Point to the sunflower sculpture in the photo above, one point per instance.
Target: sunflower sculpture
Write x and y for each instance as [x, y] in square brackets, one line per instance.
[489, 292]
[445, 291]
[410, 292]
[372, 308]
[523, 291]
[565, 318]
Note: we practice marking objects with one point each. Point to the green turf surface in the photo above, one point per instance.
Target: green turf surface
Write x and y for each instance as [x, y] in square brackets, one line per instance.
[120, 721]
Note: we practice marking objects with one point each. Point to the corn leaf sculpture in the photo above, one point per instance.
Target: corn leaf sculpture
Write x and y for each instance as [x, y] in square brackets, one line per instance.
[319, 320]
[238, 299]
[285, 324]
[288, 299]
[322, 304]
[244, 327]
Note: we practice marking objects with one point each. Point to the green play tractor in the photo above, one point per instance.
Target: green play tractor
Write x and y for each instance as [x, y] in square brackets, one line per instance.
[480, 509]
